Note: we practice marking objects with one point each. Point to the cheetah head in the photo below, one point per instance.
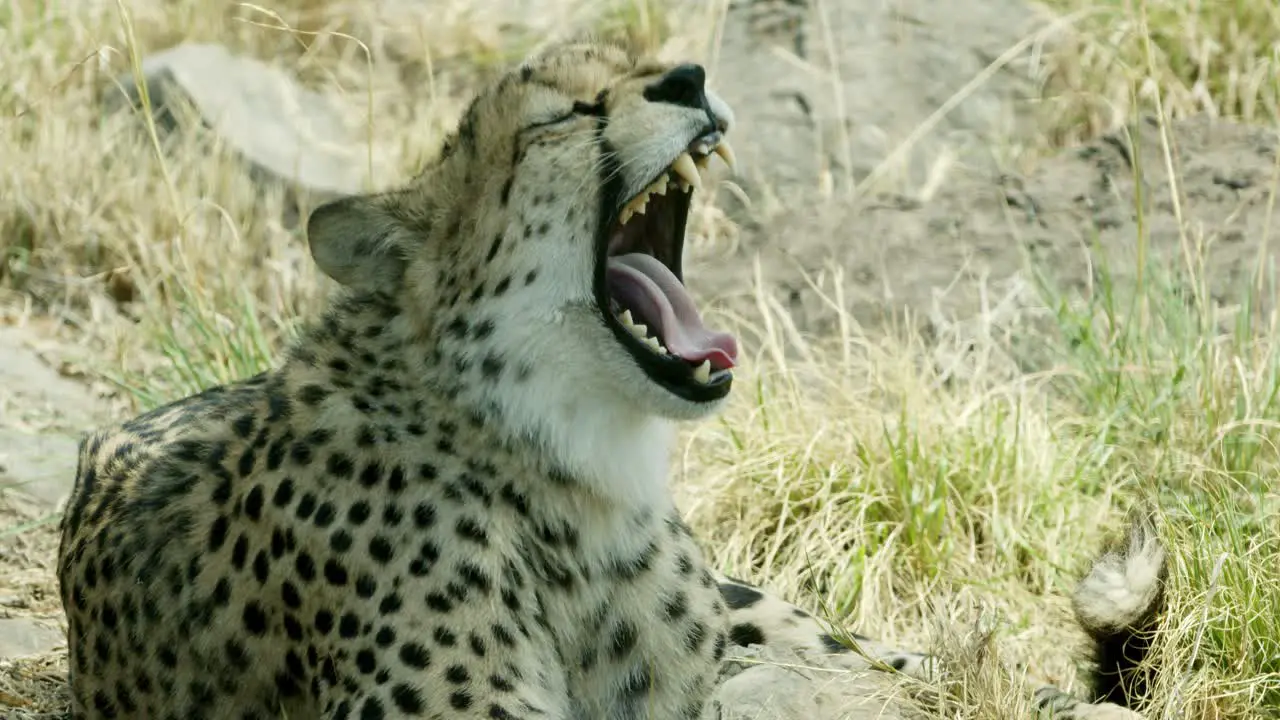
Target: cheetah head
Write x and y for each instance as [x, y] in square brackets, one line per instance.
[540, 253]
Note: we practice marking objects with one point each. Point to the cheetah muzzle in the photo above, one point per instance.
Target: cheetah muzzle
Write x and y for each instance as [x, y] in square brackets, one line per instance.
[642, 286]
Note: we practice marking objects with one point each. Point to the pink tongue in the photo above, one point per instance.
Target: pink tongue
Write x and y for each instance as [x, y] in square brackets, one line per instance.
[642, 283]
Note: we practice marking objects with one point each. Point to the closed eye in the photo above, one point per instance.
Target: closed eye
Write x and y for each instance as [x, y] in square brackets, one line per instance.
[538, 125]
[579, 109]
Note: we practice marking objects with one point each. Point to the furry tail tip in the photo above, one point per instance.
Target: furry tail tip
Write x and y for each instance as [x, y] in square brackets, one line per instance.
[1118, 604]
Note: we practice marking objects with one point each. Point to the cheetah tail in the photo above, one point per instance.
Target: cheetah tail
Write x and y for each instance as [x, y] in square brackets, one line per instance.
[1118, 605]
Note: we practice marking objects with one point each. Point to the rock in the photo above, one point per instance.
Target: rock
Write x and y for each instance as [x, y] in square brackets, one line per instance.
[282, 129]
[43, 466]
[41, 414]
[835, 87]
[969, 253]
[25, 637]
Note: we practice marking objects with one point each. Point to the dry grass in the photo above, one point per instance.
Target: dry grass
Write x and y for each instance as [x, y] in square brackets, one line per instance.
[1220, 57]
[948, 509]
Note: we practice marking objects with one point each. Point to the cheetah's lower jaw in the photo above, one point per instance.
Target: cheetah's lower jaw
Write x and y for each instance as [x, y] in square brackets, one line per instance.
[643, 284]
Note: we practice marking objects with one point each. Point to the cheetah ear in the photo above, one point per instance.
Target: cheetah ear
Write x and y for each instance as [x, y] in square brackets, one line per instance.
[356, 241]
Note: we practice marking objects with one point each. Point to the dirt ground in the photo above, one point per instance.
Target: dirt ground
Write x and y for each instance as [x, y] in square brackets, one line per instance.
[967, 254]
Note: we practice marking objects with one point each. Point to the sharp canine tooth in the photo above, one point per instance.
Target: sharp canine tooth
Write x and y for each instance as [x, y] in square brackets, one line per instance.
[726, 153]
[684, 168]
[625, 215]
[625, 319]
[702, 373]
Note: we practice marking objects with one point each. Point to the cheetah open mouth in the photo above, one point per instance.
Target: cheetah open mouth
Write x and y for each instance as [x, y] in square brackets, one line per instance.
[644, 298]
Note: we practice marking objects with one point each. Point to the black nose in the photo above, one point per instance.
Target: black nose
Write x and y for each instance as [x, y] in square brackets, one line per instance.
[683, 85]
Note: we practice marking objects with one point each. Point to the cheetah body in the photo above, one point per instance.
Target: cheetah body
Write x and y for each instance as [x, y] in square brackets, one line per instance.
[449, 500]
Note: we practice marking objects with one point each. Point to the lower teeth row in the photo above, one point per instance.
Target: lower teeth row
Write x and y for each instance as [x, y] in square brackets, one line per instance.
[701, 373]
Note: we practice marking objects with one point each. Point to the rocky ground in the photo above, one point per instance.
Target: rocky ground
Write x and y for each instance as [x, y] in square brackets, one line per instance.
[948, 241]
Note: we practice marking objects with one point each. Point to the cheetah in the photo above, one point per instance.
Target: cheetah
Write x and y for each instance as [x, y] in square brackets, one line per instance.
[449, 498]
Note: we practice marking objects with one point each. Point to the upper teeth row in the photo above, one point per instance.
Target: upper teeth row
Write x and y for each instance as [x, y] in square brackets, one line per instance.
[685, 172]
[702, 373]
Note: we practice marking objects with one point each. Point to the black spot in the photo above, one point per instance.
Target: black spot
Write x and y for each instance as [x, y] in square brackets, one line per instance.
[457, 675]
[261, 566]
[694, 636]
[831, 644]
[677, 606]
[255, 620]
[313, 394]
[380, 549]
[392, 515]
[243, 425]
[348, 625]
[639, 682]
[740, 597]
[501, 684]
[469, 529]
[284, 493]
[632, 568]
[305, 566]
[390, 604]
[253, 503]
[289, 593]
[438, 602]
[475, 577]
[222, 593]
[496, 245]
[358, 513]
[306, 506]
[371, 474]
[340, 541]
[424, 515]
[503, 636]
[407, 699]
[386, 636]
[460, 699]
[335, 573]
[372, 709]
[240, 552]
[324, 621]
[491, 366]
[325, 515]
[396, 481]
[217, 533]
[414, 656]
[624, 639]
[339, 466]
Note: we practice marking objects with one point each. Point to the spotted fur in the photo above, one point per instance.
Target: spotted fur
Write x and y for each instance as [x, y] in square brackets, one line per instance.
[449, 500]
